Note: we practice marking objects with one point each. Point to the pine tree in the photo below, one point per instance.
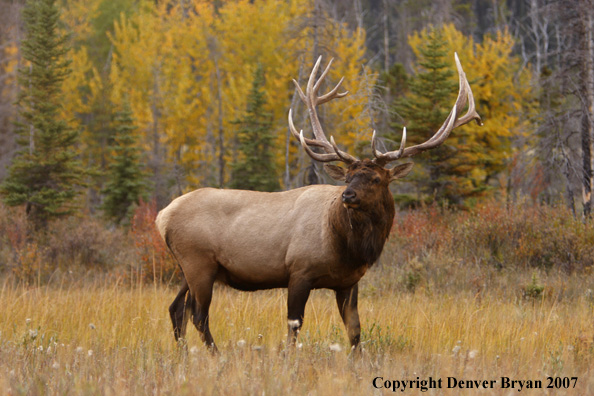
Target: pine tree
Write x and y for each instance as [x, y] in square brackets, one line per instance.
[253, 169]
[46, 174]
[424, 109]
[126, 183]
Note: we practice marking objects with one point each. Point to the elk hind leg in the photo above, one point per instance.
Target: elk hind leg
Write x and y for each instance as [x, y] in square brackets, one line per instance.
[180, 311]
[347, 306]
[202, 293]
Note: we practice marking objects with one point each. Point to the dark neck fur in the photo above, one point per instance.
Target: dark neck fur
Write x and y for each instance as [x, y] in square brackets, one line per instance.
[360, 234]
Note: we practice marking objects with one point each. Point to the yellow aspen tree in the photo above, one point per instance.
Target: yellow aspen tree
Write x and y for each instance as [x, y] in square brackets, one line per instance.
[503, 96]
[249, 34]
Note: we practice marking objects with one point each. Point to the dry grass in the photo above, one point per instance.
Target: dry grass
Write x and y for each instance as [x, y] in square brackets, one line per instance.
[94, 338]
[494, 292]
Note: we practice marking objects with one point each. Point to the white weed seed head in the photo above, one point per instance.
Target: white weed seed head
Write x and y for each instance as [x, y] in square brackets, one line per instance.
[91, 326]
[194, 350]
[90, 352]
[79, 349]
[335, 347]
[456, 349]
[28, 321]
[472, 354]
[241, 343]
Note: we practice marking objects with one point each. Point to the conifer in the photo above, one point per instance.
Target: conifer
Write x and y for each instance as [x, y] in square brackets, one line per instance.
[46, 173]
[126, 183]
[424, 109]
[254, 169]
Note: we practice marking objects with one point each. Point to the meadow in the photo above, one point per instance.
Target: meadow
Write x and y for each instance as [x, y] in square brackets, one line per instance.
[474, 296]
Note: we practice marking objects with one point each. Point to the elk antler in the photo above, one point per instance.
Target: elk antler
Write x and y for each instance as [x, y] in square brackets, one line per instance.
[311, 100]
[464, 95]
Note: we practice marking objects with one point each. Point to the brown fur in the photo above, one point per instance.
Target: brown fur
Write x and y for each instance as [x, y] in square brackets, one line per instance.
[301, 239]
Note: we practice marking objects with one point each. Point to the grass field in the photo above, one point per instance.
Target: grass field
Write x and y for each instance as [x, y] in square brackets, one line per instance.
[94, 338]
[499, 291]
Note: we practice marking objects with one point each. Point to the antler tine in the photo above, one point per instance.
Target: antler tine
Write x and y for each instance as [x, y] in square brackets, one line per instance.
[329, 157]
[345, 157]
[318, 84]
[310, 142]
[333, 94]
[311, 100]
[464, 96]
[309, 90]
[471, 114]
[397, 154]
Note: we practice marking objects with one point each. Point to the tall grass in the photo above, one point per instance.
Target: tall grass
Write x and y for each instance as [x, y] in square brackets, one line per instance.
[474, 295]
[115, 339]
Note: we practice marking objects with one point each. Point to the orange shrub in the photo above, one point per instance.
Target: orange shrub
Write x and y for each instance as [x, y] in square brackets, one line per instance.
[155, 262]
[517, 235]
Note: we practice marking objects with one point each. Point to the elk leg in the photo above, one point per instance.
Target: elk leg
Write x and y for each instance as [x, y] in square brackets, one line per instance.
[296, 300]
[201, 304]
[347, 306]
[179, 310]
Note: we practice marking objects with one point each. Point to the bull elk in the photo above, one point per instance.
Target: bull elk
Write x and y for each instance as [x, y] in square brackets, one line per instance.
[313, 237]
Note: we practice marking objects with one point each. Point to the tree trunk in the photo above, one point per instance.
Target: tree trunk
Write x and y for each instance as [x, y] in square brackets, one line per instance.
[587, 96]
[221, 137]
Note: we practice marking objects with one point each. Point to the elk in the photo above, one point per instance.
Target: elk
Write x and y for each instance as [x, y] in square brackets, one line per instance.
[319, 236]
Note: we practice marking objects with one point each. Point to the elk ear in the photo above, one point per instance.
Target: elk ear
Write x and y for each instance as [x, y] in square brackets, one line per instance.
[400, 171]
[335, 172]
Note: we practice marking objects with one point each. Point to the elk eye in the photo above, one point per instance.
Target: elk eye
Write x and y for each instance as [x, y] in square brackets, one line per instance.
[376, 180]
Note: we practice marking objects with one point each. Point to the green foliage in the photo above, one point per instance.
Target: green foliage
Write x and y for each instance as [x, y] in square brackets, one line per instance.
[253, 169]
[473, 160]
[45, 174]
[126, 183]
[424, 109]
[534, 289]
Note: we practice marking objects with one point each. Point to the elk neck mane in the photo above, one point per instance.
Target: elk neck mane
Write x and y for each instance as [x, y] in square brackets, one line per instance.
[360, 234]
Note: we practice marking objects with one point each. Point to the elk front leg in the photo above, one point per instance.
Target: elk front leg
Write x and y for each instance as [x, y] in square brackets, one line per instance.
[347, 306]
[296, 300]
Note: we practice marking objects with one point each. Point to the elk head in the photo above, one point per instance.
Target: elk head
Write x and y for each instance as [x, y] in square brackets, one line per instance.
[370, 178]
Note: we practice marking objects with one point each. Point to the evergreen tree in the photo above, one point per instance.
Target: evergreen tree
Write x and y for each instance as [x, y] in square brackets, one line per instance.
[126, 183]
[45, 174]
[424, 109]
[253, 169]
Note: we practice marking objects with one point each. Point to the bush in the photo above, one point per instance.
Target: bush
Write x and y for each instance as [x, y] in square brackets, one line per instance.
[73, 246]
[155, 263]
[515, 236]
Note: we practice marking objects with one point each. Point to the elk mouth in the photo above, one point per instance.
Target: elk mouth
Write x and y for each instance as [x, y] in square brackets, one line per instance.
[350, 205]
[350, 201]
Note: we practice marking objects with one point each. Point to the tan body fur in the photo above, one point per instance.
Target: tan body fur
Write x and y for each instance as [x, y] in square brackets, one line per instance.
[257, 240]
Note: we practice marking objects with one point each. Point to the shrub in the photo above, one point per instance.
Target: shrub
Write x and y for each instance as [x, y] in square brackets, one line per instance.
[155, 264]
[517, 236]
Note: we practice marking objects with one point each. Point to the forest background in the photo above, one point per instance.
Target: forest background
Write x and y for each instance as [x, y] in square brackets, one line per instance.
[110, 109]
[185, 71]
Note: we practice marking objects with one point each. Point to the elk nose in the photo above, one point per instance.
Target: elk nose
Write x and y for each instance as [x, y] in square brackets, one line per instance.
[349, 196]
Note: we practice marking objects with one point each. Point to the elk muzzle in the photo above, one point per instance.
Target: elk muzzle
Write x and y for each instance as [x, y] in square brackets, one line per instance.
[350, 199]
